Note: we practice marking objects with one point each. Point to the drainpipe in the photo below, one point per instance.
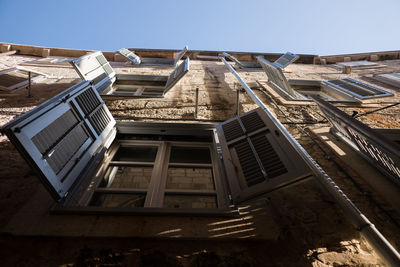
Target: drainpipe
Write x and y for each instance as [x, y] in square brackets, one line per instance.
[359, 220]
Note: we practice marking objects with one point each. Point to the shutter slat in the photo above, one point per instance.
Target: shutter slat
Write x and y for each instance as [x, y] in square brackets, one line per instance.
[232, 130]
[49, 136]
[268, 156]
[252, 122]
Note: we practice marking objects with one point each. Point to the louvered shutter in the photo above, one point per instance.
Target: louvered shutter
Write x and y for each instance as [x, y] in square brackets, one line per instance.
[382, 152]
[129, 55]
[181, 54]
[177, 74]
[257, 157]
[276, 77]
[357, 89]
[285, 60]
[392, 79]
[59, 137]
[95, 68]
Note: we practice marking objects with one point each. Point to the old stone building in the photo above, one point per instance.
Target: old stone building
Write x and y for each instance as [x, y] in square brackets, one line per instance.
[198, 158]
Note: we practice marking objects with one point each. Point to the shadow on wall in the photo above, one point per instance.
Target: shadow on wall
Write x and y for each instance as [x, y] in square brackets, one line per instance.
[219, 98]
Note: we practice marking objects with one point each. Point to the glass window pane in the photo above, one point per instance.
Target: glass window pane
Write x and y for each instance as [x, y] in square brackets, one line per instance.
[136, 153]
[118, 200]
[190, 155]
[127, 177]
[190, 178]
[190, 202]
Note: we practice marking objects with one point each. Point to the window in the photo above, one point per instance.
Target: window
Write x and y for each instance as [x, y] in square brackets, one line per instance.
[91, 163]
[160, 174]
[282, 62]
[340, 90]
[138, 61]
[94, 67]
[17, 78]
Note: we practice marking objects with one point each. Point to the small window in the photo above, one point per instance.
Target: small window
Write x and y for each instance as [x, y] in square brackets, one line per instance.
[95, 68]
[358, 89]
[338, 90]
[136, 60]
[282, 62]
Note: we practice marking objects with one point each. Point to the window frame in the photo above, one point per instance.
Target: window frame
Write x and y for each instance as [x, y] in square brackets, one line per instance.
[80, 196]
[95, 68]
[278, 81]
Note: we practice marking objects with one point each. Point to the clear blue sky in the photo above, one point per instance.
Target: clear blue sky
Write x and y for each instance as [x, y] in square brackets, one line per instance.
[323, 27]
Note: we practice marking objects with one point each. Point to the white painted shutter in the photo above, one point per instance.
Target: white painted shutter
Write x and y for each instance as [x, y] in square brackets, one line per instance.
[94, 67]
[380, 151]
[358, 89]
[59, 137]
[257, 156]
[285, 60]
[130, 56]
[276, 77]
[177, 74]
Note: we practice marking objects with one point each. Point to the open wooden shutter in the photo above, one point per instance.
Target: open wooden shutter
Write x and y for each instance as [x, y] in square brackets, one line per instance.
[380, 151]
[181, 54]
[285, 60]
[277, 78]
[59, 137]
[129, 55]
[257, 157]
[177, 74]
[357, 89]
[95, 68]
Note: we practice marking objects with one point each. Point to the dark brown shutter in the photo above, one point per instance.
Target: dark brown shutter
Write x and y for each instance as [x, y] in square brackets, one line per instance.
[257, 157]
